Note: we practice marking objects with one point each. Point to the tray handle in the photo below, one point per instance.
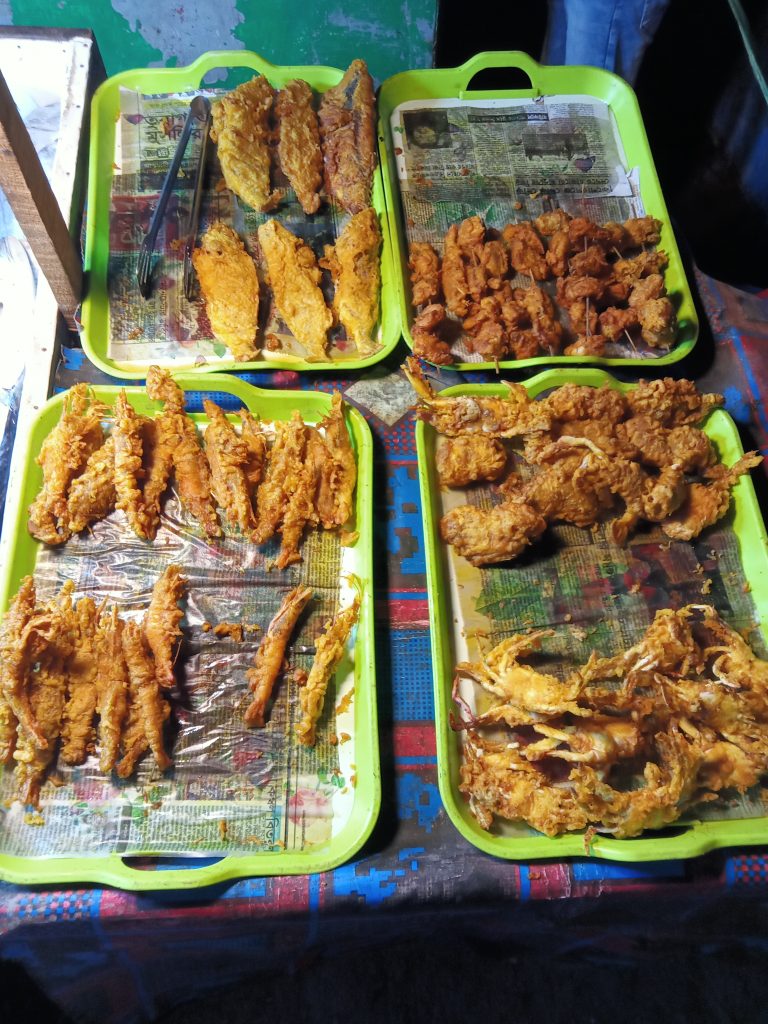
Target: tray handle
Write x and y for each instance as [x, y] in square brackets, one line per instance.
[230, 59]
[498, 59]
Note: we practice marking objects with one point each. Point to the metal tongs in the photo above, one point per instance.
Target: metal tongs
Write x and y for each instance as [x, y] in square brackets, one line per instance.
[200, 110]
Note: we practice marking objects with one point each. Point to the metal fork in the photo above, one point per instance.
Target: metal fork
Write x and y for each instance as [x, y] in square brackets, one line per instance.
[198, 109]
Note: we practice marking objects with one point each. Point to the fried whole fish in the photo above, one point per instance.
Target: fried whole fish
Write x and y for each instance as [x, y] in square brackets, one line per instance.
[230, 287]
[301, 157]
[348, 136]
[241, 129]
[354, 265]
[294, 277]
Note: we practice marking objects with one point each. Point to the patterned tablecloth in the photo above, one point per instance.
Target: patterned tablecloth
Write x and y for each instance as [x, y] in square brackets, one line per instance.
[107, 955]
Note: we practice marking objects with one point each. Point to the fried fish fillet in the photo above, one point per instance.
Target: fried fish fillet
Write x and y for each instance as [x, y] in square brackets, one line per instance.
[348, 135]
[242, 132]
[64, 455]
[228, 457]
[299, 143]
[354, 266]
[295, 280]
[230, 287]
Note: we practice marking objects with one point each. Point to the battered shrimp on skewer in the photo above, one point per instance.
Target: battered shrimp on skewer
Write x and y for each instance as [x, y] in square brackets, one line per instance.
[145, 692]
[193, 476]
[63, 455]
[129, 448]
[228, 457]
[269, 657]
[161, 623]
[112, 686]
[329, 649]
[92, 495]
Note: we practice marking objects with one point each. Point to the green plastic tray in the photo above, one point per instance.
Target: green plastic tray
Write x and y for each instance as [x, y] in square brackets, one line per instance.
[105, 108]
[113, 869]
[697, 837]
[450, 83]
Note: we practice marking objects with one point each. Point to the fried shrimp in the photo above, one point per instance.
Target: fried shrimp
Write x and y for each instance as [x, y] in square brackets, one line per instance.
[228, 457]
[92, 495]
[112, 687]
[161, 623]
[145, 692]
[268, 662]
[129, 448]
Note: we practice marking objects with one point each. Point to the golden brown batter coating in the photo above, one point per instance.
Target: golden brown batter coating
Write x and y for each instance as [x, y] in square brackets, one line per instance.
[299, 143]
[354, 265]
[228, 457]
[92, 495]
[230, 287]
[424, 266]
[161, 622]
[462, 461]
[348, 136]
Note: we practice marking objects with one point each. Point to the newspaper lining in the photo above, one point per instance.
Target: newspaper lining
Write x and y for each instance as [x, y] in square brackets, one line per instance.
[231, 789]
[511, 160]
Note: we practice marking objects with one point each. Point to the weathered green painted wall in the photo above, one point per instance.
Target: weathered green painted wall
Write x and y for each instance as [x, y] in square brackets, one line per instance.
[392, 35]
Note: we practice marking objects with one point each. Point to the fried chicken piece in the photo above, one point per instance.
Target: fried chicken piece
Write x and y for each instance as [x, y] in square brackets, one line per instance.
[642, 231]
[145, 692]
[590, 263]
[179, 436]
[227, 455]
[295, 280]
[489, 536]
[256, 447]
[427, 343]
[704, 504]
[512, 416]
[242, 133]
[615, 323]
[334, 498]
[299, 143]
[354, 266]
[112, 684]
[268, 662]
[658, 322]
[348, 136]
[643, 265]
[462, 461]
[582, 232]
[526, 250]
[557, 253]
[160, 626]
[286, 458]
[230, 288]
[329, 650]
[572, 402]
[525, 344]
[454, 275]
[498, 781]
[552, 222]
[487, 335]
[92, 495]
[587, 345]
[78, 733]
[494, 262]
[671, 402]
[584, 317]
[129, 448]
[657, 446]
[644, 289]
[63, 456]
[576, 288]
[424, 266]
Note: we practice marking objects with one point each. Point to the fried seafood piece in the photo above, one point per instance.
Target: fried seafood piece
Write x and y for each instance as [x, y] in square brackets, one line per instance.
[590, 263]
[63, 456]
[348, 137]
[526, 250]
[112, 685]
[545, 327]
[78, 733]
[354, 265]
[230, 288]
[161, 622]
[301, 485]
[578, 287]
[134, 742]
[268, 663]
[583, 232]
[427, 343]
[284, 467]
[227, 455]
[487, 333]
[462, 461]
[242, 132]
[8, 727]
[301, 157]
[92, 495]
[145, 694]
[704, 504]
[471, 238]
[157, 458]
[256, 447]
[584, 317]
[454, 275]
[552, 221]
[644, 440]
[572, 402]
[494, 262]
[658, 322]
[615, 323]
[424, 266]
[642, 231]
[554, 494]
[587, 345]
[179, 436]
[129, 449]
[557, 253]
[334, 497]
[489, 536]
[643, 265]
[599, 741]
[671, 402]
[497, 780]
[512, 416]
[644, 289]
[295, 280]
[329, 650]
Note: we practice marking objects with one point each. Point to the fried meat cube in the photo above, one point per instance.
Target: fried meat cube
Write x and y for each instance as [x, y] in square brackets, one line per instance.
[615, 322]
[643, 231]
[642, 265]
